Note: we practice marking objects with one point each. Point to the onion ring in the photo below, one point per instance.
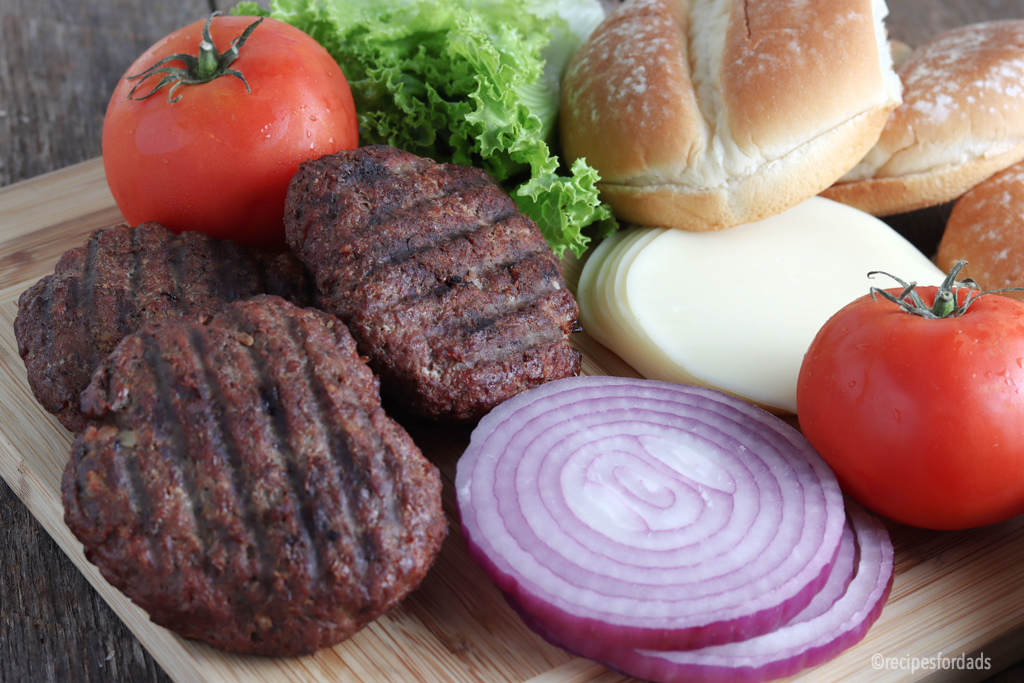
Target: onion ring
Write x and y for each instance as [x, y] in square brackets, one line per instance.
[648, 514]
[813, 637]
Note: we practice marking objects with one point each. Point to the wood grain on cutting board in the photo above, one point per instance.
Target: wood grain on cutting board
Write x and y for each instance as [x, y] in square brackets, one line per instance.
[954, 593]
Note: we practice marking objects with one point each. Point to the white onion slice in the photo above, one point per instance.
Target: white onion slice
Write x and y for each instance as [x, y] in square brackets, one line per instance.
[649, 514]
[807, 641]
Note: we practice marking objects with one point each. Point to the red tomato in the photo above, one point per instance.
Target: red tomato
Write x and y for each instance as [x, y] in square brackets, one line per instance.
[219, 159]
[922, 420]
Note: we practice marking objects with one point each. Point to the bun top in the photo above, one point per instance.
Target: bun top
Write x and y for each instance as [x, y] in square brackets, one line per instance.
[714, 112]
[962, 119]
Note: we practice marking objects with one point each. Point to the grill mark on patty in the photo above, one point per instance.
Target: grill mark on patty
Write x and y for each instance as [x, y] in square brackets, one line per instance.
[44, 310]
[351, 478]
[136, 266]
[517, 331]
[383, 231]
[454, 308]
[432, 272]
[554, 354]
[75, 334]
[86, 295]
[124, 311]
[171, 451]
[173, 290]
[466, 231]
[224, 459]
[138, 494]
[385, 236]
[333, 522]
[294, 471]
[464, 340]
[245, 476]
[108, 285]
[155, 276]
[366, 201]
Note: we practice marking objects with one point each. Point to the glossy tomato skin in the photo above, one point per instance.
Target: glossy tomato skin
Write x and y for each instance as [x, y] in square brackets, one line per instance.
[219, 160]
[921, 420]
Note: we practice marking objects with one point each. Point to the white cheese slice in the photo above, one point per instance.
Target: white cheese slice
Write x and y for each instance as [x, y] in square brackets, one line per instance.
[736, 309]
[602, 288]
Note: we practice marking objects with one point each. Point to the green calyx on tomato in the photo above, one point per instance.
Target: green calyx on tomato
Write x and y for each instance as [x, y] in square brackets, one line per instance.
[205, 67]
[947, 301]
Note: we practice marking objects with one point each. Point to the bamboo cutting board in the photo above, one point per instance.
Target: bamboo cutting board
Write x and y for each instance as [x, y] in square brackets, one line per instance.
[955, 593]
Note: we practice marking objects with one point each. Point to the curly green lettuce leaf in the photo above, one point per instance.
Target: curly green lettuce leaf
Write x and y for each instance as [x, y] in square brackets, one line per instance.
[472, 82]
[563, 205]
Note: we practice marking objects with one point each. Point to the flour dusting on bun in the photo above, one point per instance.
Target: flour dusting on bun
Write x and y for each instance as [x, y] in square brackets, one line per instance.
[962, 120]
[703, 114]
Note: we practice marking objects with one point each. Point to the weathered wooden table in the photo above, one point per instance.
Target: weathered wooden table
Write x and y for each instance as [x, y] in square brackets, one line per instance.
[59, 61]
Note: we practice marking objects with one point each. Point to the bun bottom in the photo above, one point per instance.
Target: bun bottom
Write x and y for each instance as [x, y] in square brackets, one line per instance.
[889, 196]
[772, 188]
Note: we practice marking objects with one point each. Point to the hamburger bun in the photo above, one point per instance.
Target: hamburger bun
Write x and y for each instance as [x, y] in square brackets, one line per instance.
[704, 115]
[962, 119]
[985, 229]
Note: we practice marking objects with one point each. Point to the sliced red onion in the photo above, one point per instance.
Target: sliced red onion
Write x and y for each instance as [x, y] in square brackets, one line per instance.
[805, 642]
[839, 578]
[648, 514]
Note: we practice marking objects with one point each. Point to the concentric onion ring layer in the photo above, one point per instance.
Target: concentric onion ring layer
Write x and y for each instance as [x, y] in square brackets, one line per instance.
[837, 619]
[675, 515]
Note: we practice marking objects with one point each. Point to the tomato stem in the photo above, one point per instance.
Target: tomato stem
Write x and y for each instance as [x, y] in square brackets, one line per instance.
[205, 67]
[945, 302]
[208, 59]
[947, 299]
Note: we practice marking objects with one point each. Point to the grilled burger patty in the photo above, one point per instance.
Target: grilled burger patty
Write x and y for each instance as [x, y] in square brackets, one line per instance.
[448, 289]
[243, 484]
[122, 279]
